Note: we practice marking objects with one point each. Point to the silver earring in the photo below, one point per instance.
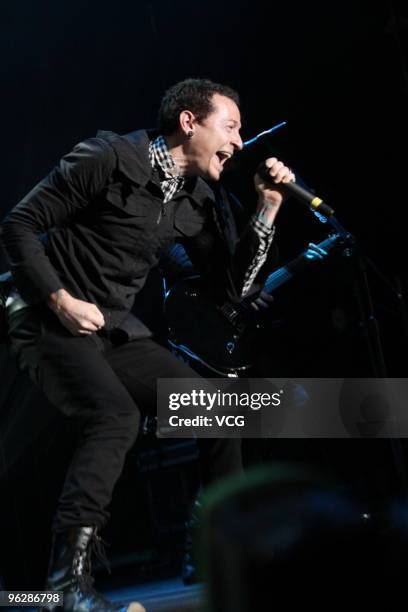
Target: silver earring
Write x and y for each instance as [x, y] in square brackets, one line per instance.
[190, 134]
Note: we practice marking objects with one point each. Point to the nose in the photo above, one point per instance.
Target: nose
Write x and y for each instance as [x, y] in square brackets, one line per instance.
[237, 141]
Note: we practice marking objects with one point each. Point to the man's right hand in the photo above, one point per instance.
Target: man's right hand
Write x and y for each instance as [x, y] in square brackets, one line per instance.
[78, 317]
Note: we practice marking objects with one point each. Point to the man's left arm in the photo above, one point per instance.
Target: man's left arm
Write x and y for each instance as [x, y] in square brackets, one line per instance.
[253, 248]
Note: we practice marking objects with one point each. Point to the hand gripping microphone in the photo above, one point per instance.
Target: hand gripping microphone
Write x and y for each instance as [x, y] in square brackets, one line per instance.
[298, 192]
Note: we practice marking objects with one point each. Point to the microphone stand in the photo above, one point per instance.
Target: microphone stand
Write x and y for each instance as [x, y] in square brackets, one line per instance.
[373, 336]
[370, 324]
[364, 295]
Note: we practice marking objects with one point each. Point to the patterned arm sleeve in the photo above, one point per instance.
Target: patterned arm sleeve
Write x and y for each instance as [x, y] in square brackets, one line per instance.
[265, 237]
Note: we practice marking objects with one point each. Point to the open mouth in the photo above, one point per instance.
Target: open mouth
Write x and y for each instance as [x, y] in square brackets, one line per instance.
[223, 156]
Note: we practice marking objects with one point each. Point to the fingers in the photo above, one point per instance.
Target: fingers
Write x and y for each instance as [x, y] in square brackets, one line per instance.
[278, 171]
[90, 318]
[87, 326]
[317, 249]
[74, 328]
[315, 252]
[81, 318]
[95, 316]
[263, 301]
[80, 327]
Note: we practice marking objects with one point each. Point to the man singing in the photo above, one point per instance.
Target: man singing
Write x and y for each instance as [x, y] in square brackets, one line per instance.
[80, 246]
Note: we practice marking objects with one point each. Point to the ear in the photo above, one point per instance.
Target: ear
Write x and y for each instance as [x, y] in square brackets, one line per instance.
[187, 120]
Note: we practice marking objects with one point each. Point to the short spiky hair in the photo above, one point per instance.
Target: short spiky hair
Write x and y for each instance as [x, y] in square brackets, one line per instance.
[191, 94]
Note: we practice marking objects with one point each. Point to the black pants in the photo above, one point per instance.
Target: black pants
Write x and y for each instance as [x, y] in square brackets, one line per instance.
[103, 385]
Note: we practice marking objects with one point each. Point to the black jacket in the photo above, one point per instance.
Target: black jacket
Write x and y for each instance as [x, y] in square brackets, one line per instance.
[97, 224]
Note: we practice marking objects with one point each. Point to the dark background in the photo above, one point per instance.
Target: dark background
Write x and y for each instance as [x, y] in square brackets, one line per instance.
[337, 73]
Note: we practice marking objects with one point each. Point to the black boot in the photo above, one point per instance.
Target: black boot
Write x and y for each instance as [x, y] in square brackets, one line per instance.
[70, 572]
[189, 566]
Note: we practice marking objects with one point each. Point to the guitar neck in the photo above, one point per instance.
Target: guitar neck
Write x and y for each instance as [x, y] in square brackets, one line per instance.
[287, 272]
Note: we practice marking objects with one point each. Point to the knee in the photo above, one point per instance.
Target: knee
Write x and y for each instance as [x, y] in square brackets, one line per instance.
[126, 416]
[119, 416]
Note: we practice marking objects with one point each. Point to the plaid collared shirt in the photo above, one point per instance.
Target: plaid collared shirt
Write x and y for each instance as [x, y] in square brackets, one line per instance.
[171, 182]
[170, 179]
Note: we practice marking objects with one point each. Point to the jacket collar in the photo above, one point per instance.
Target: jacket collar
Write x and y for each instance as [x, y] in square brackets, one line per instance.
[133, 160]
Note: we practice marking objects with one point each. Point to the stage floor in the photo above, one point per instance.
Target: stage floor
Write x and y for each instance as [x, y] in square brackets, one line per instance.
[168, 595]
[162, 596]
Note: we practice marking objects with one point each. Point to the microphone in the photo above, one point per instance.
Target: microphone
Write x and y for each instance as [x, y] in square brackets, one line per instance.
[298, 192]
[258, 137]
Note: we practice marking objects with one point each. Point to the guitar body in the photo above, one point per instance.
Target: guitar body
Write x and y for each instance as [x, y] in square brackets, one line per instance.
[223, 340]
